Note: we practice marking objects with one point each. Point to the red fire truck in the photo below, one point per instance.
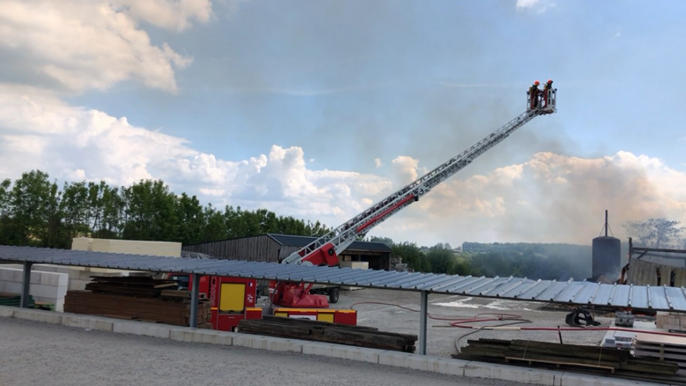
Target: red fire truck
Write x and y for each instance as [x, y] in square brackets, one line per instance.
[232, 299]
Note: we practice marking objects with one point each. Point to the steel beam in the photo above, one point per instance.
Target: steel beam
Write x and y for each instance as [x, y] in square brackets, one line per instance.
[195, 295]
[26, 285]
[423, 313]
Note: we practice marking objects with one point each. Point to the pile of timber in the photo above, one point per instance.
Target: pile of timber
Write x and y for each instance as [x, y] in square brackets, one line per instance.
[662, 347]
[305, 329]
[589, 358]
[137, 298]
[130, 285]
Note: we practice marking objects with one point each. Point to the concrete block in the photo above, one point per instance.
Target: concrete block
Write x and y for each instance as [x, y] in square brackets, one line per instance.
[45, 291]
[6, 274]
[54, 279]
[340, 351]
[278, 344]
[7, 312]
[575, 379]
[251, 341]
[18, 276]
[36, 277]
[38, 315]
[142, 328]
[512, 373]
[423, 362]
[87, 322]
[202, 336]
[13, 287]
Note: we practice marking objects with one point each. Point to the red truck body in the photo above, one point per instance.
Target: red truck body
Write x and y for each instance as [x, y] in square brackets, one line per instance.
[232, 299]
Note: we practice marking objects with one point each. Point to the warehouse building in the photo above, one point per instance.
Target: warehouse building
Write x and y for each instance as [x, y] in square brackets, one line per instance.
[273, 248]
[655, 267]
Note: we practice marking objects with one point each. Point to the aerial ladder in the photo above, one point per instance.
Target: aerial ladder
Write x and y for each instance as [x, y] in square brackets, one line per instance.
[324, 251]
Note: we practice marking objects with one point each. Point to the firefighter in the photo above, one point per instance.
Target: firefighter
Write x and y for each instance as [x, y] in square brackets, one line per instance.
[548, 86]
[533, 95]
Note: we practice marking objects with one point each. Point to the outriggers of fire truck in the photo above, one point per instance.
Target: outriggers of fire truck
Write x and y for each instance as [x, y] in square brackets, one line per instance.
[324, 251]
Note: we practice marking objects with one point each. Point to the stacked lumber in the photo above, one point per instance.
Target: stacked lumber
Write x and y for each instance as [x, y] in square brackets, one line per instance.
[369, 337]
[130, 285]
[590, 358]
[661, 347]
[149, 309]
[137, 298]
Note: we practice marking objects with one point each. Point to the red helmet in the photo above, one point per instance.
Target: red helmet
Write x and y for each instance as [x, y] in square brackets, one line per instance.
[536, 83]
[550, 81]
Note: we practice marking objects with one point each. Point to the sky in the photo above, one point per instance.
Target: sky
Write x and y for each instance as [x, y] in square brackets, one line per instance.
[317, 109]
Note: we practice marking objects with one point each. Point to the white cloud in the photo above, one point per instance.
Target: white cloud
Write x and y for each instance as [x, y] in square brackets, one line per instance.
[526, 3]
[170, 14]
[84, 45]
[549, 197]
[539, 5]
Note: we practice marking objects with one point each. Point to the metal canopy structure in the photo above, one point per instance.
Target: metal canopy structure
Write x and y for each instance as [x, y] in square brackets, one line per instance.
[662, 298]
[566, 292]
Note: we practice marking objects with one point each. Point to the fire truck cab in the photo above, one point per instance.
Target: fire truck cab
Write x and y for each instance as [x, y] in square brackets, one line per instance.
[232, 299]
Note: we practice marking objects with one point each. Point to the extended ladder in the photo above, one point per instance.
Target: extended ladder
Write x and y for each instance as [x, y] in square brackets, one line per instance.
[325, 249]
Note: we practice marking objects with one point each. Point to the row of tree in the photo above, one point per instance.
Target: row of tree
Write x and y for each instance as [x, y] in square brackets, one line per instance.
[36, 211]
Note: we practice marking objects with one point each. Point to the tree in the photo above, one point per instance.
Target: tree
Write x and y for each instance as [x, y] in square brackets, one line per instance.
[656, 233]
[383, 240]
[442, 259]
[150, 212]
[412, 256]
[29, 201]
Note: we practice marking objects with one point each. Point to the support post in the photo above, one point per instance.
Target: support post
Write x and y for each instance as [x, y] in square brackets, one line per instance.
[422, 322]
[26, 285]
[195, 295]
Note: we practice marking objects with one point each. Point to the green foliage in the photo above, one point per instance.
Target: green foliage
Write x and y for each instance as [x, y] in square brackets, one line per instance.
[442, 259]
[34, 211]
[412, 256]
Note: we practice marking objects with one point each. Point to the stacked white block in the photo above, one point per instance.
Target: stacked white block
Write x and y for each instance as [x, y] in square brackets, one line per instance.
[47, 287]
[80, 276]
[153, 248]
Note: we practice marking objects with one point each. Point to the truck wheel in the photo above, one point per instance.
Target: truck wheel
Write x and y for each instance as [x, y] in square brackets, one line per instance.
[333, 295]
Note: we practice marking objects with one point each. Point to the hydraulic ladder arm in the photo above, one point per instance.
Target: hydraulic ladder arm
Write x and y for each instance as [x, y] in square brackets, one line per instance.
[325, 249]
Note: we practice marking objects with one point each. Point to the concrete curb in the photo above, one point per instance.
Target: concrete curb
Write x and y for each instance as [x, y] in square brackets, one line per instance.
[439, 365]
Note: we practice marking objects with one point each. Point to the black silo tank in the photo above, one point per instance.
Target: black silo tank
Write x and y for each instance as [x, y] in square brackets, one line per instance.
[607, 257]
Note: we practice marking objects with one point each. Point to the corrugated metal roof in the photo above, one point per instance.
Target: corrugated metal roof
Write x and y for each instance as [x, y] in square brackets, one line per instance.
[577, 293]
[302, 241]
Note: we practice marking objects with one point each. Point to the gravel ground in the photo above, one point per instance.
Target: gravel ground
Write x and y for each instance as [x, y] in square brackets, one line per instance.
[441, 340]
[44, 354]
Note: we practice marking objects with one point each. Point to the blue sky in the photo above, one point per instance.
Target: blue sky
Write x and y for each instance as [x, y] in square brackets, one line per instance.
[318, 108]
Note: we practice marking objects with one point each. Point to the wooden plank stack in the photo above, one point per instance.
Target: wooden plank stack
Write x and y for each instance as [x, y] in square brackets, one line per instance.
[590, 358]
[369, 337]
[137, 298]
[665, 348]
[130, 285]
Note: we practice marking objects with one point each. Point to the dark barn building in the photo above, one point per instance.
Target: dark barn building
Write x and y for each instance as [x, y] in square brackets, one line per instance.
[275, 247]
